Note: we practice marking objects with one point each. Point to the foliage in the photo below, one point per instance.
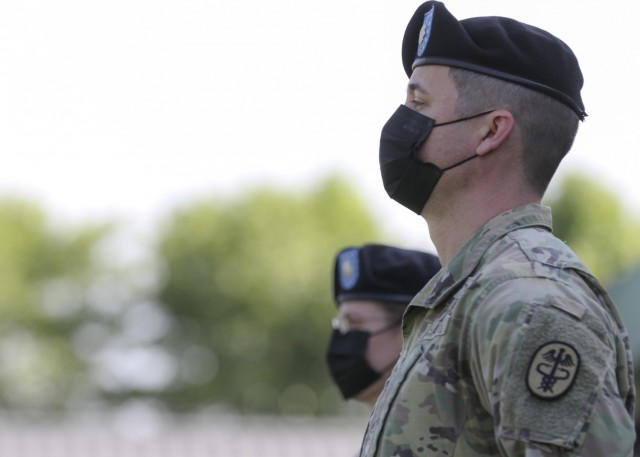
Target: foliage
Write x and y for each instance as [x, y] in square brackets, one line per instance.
[591, 219]
[43, 276]
[248, 284]
[231, 308]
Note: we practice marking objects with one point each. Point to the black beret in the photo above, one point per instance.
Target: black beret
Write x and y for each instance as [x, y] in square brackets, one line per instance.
[381, 273]
[495, 46]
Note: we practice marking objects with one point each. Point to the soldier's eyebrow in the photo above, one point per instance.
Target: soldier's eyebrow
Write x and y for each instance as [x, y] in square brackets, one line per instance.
[416, 87]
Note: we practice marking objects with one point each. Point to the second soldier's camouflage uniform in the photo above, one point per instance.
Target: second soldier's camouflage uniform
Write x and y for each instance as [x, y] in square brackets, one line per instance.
[513, 349]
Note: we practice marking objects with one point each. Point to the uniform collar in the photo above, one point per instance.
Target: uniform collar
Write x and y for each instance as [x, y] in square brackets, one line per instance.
[466, 260]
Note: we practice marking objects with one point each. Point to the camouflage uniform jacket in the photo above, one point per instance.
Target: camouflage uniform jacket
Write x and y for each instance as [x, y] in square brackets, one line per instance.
[512, 349]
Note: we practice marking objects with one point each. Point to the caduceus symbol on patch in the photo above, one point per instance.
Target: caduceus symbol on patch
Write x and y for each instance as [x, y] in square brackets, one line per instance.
[553, 371]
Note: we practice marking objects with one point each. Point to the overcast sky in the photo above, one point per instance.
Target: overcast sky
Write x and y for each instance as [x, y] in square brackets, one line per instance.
[124, 108]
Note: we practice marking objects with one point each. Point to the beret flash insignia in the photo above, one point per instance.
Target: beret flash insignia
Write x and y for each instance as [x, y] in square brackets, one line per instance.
[425, 32]
[348, 269]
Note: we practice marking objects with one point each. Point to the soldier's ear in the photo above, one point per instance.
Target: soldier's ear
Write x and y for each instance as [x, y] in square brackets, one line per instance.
[494, 131]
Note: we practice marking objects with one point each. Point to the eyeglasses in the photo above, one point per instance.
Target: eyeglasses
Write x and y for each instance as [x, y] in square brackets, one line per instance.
[345, 324]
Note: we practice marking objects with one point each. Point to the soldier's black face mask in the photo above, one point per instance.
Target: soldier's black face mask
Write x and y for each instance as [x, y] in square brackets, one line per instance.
[346, 358]
[406, 178]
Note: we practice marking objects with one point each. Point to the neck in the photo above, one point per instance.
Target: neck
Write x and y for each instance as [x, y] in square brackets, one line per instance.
[453, 224]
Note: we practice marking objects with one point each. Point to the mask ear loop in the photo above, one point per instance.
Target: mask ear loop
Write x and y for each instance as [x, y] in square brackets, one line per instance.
[460, 120]
[383, 330]
[425, 135]
[464, 118]
[459, 163]
[387, 328]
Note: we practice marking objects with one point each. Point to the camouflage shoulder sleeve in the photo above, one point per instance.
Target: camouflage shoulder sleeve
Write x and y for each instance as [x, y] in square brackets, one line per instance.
[545, 365]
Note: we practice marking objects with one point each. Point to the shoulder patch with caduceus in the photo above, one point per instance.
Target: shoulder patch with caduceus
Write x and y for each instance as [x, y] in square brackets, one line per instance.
[552, 370]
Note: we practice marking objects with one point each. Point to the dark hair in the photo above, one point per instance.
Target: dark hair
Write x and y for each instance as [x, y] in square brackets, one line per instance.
[547, 126]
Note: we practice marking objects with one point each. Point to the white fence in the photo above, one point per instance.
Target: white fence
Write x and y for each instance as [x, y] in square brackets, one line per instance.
[203, 436]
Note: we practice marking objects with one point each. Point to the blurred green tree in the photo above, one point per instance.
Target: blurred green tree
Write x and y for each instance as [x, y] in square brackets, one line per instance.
[44, 274]
[592, 220]
[248, 285]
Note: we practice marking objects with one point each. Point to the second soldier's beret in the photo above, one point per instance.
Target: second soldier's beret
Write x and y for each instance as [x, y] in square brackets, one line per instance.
[381, 273]
[495, 46]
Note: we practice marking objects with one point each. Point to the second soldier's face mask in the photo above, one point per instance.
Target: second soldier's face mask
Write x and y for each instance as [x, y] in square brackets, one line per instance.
[347, 361]
[407, 179]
